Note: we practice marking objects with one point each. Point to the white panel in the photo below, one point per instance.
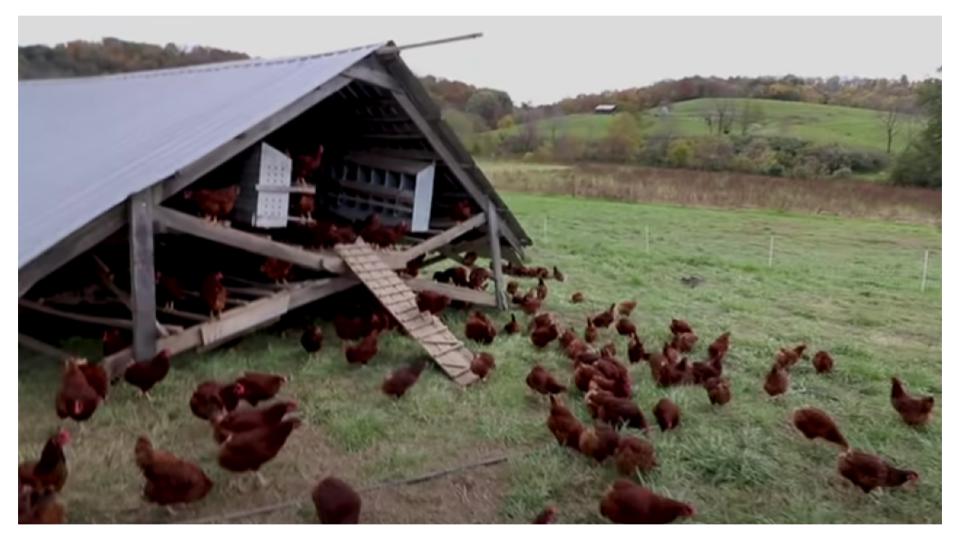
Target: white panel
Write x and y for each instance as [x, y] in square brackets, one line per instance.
[276, 169]
[423, 200]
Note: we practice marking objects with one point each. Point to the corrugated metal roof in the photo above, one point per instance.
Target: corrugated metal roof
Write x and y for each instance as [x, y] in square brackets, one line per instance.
[87, 144]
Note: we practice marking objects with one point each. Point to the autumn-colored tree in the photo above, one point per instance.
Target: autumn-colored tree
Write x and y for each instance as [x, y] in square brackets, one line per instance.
[490, 105]
[111, 55]
[624, 137]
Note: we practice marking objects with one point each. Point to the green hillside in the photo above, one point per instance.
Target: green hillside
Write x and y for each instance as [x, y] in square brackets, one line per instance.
[821, 124]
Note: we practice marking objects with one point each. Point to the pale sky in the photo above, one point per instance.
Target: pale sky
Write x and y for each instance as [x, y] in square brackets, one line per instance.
[543, 59]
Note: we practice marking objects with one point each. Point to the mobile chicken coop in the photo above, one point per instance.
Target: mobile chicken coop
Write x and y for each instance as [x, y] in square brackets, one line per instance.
[107, 165]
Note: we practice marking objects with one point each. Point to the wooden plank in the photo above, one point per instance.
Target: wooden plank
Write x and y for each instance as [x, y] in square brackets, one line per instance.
[493, 234]
[43, 348]
[246, 241]
[143, 296]
[265, 308]
[256, 313]
[472, 296]
[439, 240]
[231, 148]
[74, 244]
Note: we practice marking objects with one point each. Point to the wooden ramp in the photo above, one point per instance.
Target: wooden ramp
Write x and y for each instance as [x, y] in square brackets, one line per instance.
[452, 355]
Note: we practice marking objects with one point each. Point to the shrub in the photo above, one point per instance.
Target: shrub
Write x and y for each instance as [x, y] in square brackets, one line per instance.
[679, 153]
[569, 148]
[842, 172]
[712, 153]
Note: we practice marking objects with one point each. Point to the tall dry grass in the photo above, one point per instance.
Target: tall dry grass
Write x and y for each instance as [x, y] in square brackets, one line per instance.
[849, 198]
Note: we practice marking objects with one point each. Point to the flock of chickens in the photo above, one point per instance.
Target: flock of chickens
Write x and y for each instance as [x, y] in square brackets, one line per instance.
[248, 436]
[606, 386]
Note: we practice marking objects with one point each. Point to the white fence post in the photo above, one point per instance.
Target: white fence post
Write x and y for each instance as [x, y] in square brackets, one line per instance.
[926, 261]
[770, 255]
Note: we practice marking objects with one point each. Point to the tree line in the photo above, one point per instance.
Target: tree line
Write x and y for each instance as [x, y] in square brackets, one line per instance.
[111, 55]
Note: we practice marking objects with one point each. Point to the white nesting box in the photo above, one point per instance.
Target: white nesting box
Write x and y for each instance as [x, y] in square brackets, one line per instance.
[265, 183]
[397, 190]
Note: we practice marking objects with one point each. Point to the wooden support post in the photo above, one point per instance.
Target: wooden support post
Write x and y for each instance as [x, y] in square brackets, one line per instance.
[926, 263]
[493, 232]
[143, 298]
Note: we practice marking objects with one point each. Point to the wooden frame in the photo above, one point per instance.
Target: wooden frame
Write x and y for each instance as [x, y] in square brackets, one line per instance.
[144, 214]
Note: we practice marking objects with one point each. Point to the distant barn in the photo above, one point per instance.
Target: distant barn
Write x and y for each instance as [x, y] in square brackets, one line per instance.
[605, 109]
[106, 164]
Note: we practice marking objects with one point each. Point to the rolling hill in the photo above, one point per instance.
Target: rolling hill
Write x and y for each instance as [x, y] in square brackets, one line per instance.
[821, 124]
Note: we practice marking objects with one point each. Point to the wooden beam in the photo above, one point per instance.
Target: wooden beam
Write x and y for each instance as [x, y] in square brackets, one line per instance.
[74, 244]
[372, 76]
[184, 314]
[143, 295]
[457, 293]
[202, 166]
[238, 320]
[247, 241]
[80, 317]
[38, 346]
[493, 234]
[106, 278]
[480, 246]
[440, 240]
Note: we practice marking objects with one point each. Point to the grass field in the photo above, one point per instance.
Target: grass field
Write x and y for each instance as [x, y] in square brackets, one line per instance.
[836, 197]
[821, 124]
[848, 286]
